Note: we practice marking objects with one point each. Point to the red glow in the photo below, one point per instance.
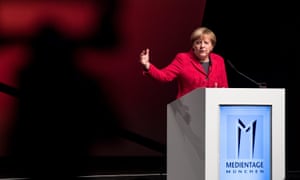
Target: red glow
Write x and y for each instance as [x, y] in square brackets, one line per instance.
[12, 59]
[25, 18]
[162, 26]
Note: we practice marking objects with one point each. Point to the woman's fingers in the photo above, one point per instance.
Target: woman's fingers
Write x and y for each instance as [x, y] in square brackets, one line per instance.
[144, 52]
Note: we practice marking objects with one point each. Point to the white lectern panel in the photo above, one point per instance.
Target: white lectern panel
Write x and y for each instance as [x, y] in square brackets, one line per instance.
[193, 132]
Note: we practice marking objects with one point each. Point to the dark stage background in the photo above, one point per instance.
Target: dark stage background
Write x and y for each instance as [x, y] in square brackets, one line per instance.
[72, 88]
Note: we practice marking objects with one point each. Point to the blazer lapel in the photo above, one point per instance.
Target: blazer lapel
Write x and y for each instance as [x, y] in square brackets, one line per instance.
[198, 67]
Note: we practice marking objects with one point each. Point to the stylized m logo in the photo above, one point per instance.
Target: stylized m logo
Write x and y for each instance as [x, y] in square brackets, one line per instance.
[249, 130]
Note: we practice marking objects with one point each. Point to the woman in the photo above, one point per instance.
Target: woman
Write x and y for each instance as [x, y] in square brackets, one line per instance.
[197, 68]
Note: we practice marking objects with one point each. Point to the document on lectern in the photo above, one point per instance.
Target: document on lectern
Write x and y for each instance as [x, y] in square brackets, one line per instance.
[245, 142]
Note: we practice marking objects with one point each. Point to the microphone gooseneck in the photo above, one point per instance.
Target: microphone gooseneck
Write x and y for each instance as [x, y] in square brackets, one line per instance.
[259, 84]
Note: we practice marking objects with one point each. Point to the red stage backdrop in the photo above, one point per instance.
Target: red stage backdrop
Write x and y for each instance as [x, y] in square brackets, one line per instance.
[108, 36]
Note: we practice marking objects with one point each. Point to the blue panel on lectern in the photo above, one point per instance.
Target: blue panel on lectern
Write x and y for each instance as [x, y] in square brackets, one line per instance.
[245, 142]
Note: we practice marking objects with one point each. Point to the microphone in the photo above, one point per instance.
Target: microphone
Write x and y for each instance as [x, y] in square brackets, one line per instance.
[259, 84]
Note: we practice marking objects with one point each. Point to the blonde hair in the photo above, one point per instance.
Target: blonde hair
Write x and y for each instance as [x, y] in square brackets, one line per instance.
[200, 32]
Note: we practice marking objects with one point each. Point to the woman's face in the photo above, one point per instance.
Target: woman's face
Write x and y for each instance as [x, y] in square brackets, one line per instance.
[202, 47]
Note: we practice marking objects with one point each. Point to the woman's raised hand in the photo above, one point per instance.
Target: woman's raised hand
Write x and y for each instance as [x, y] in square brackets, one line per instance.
[144, 58]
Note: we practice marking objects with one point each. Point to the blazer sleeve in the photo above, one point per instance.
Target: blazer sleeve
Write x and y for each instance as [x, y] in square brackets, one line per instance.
[168, 73]
[223, 75]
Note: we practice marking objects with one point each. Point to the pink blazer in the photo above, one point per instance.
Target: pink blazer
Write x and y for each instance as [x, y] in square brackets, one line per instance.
[190, 74]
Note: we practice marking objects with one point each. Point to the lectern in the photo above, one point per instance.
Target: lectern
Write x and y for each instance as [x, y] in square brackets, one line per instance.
[227, 134]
